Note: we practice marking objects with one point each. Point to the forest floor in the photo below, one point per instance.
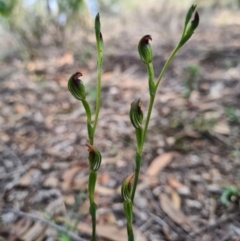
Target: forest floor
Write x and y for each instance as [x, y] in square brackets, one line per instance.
[189, 186]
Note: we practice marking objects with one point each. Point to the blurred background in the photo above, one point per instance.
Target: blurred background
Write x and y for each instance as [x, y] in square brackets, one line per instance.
[190, 179]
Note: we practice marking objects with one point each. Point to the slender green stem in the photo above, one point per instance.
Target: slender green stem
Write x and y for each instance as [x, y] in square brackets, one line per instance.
[150, 107]
[93, 229]
[166, 65]
[151, 83]
[130, 231]
[98, 99]
[138, 161]
[135, 181]
[87, 110]
[152, 98]
[93, 207]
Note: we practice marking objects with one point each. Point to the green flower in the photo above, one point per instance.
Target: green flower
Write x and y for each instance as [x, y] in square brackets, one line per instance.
[145, 50]
[76, 87]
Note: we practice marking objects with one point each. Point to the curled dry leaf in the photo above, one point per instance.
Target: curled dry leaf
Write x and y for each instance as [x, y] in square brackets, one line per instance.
[179, 187]
[110, 232]
[159, 163]
[176, 200]
[176, 215]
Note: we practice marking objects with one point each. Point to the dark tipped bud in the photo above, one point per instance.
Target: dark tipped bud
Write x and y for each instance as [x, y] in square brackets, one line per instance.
[136, 113]
[195, 21]
[98, 33]
[76, 87]
[97, 23]
[189, 14]
[94, 158]
[190, 29]
[126, 188]
[145, 50]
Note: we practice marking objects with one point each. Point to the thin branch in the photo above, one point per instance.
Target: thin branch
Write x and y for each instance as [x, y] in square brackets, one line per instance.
[218, 223]
[48, 223]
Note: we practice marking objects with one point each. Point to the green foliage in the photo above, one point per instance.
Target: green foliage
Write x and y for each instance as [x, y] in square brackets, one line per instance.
[230, 193]
[136, 115]
[189, 83]
[6, 8]
[70, 6]
[202, 124]
[48, 25]
[233, 115]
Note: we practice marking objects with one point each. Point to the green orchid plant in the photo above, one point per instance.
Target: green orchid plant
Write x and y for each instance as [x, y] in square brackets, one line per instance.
[77, 89]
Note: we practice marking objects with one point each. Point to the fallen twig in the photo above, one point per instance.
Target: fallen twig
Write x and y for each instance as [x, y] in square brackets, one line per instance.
[48, 223]
[215, 225]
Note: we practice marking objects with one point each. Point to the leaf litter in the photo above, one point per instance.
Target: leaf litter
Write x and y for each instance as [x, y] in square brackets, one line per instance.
[192, 148]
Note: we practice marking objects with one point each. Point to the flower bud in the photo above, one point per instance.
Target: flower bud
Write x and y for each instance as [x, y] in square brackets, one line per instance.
[195, 22]
[76, 87]
[189, 14]
[126, 188]
[94, 158]
[136, 114]
[145, 50]
[189, 30]
[98, 33]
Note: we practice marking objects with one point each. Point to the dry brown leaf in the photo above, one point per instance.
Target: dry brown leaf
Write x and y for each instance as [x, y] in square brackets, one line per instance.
[106, 218]
[181, 188]
[29, 177]
[21, 109]
[51, 182]
[222, 128]
[22, 226]
[103, 178]
[79, 182]
[33, 234]
[56, 206]
[69, 199]
[176, 215]
[105, 191]
[160, 163]
[110, 232]
[176, 200]
[84, 208]
[68, 177]
[67, 58]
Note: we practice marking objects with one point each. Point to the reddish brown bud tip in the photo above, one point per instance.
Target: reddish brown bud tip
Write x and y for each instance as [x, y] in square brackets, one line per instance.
[76, 86]
[145, 39]
[145, 50]
[94, 157]
[90, 147]
[196, 18]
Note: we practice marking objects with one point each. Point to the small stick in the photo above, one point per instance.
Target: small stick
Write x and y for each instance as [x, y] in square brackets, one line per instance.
[48, 223]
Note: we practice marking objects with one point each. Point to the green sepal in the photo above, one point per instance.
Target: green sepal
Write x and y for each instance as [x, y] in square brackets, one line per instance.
[127, 206]
[126, 188]
[94, 158]
[93, 209]
[190, 30]
[91, 185]
[136, 114]
[76, 87]
[145, 49]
